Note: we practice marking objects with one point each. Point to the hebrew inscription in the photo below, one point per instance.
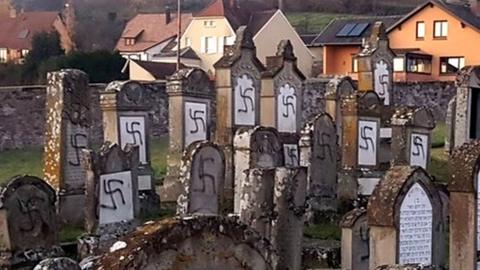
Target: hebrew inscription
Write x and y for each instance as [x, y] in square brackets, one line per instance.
[133, 131]
[419, 150]
[116, 197]
[367, 142]
[195, 122]
[245, 101]
[382, 81]
[287, 109]
[416, 221]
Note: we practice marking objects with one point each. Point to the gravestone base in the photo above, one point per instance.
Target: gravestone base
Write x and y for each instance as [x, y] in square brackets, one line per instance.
[347, 188]
[71, 209]
[29, 258]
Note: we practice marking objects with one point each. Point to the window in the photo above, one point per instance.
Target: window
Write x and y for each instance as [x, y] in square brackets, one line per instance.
[419, 65]
[129, 41]
[354, 64]
[209, 45]
[229, 41]
[25, 53]
[188, 42]
[420, 30]
[440, 29]
[451, 65]
[3, 55]
[399, 64]
[209, 24]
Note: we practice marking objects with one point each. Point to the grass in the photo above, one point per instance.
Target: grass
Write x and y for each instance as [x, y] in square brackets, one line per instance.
[20, 162]
[312, 22]
[70, 234]
[439, 158]
[326, 231]
[159, 150]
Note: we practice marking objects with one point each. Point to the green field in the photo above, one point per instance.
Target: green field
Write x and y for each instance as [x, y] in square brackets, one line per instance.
[313, 22]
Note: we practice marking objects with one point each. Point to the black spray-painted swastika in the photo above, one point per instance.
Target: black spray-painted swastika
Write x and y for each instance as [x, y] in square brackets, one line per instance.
[247, 99]
[383, 79]
[367, 139]
[324, 147]
[198, 117]
[204, 176]
[111, 191]
[132, 130]
[292, 153]
[288, 102]
[418, 143]
[77, 146]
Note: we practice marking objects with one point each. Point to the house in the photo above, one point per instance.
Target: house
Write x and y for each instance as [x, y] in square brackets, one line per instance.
[431, 43]
[147, 36]
[18, 29]
[215, 26]
[149, 71]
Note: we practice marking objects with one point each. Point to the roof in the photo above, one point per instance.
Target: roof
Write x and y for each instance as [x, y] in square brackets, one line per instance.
[150, 30]
[186, 52]
[159, 71]
[17, 32]
[461, 11]
[329, 36]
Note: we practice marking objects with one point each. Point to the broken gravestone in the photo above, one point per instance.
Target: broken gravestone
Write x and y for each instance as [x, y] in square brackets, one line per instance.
[259, 147]
[127, 112]
[406, 220]
[112, 202]
[203, 178]
[195, 243]
[355, 240]
[28, 223]
[67, 126]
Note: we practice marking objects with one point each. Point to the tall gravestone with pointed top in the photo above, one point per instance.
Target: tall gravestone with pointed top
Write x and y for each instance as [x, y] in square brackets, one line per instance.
[375, 65]
[281, 99]
[319, 153]
[190, 95]
[126, 108]
[238, 83]
[203, 178]
[259, 147]
[406, 220]
[464, 167]
[112, 202]
[411, 136]
[28, 226]
[67, 126]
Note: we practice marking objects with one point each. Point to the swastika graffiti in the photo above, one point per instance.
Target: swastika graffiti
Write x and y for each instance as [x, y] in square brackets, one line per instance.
[198, 117]
[367, 139]
[75, 142]
[132, 129]
[109, 189]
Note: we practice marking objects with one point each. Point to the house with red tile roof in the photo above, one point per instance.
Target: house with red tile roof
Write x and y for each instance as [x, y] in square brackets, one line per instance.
[18, 29]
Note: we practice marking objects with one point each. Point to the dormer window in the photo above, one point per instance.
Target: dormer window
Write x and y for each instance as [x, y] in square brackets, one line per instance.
[209, 24]
[129, 41]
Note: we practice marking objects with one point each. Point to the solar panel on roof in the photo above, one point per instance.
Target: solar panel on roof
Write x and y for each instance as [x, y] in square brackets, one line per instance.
[23, 34]
[346, 29]
[358, 30]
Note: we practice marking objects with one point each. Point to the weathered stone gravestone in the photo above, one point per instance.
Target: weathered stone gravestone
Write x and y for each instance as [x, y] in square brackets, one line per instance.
[406, 220]
[411, 136]
[112, 205]
[190, 95]
[467, 109]
[319, 153]
[126, 110]
[62, 263]
[355, 240]
[259, 147]
[203, 178]
[196, 243]
[290, 200]
[450, 125]
[464, 206]
[66, 134]
[238, 83]
[28, 223]
[375, 65]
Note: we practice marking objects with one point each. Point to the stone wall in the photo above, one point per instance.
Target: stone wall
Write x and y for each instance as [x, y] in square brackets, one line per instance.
[22, 108]
[22, 115]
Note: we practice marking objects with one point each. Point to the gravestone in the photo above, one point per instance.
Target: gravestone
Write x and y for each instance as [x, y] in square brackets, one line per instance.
[464, 206]
[256, 204]
[259, 147]
[411, 136]
[406, 220]
[62, 263]
[203, 178]
[467, 107]
[195, 243]
[375, 65]
[355, 240]
[112, 206]
[29, 231]
[238, 83]
[290, 200]
[190, 95]
[67, 126]
[450, 125]
[127, 108]
[319, 153]
[406, 267]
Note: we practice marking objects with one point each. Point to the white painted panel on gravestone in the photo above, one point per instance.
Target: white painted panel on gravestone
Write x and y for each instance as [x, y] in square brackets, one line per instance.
[382, 81]
[416, 226]
[367, 142]
[195, 122]
[245, 101]
[419, 150]
[116, 197]
[287, 109]
[290, 152]
[144, 182]
[133, 130]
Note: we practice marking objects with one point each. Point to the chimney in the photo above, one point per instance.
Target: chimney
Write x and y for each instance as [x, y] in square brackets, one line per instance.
[280, 5]
[168, 15]
[475, 7]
